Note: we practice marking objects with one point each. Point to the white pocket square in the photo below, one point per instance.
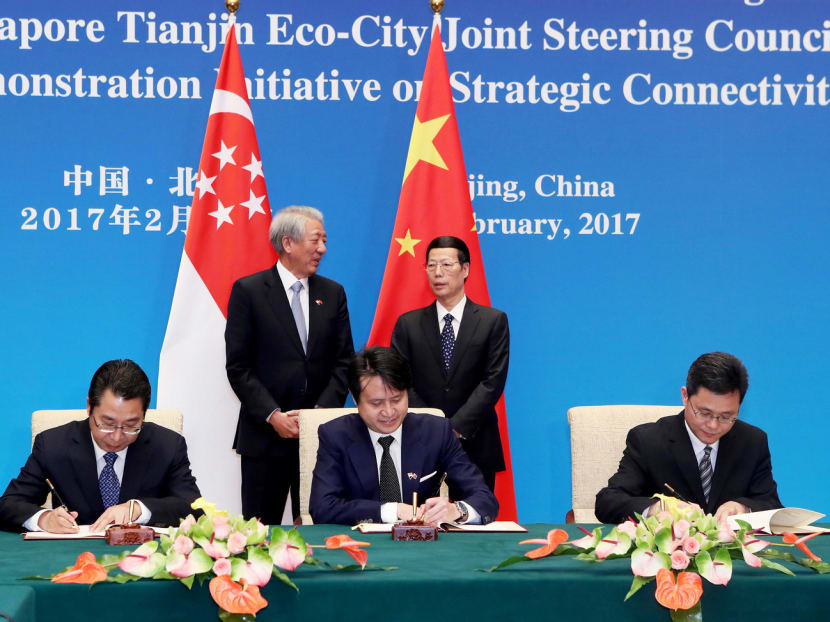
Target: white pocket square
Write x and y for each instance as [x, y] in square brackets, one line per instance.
[426, 477]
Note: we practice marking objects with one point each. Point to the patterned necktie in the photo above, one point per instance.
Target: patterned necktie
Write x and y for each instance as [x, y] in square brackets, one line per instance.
[297, 311]
[108, 481]
[706, 472]
[390, 489]
[447, 341]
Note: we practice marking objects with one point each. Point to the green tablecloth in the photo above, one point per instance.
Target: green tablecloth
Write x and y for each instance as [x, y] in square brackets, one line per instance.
[18, 602]
[434, 581]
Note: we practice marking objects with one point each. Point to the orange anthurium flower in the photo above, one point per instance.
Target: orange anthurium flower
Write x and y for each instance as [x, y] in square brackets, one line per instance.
[791, 538]
[86, 570]
[342, 541]
[555, 537]
[681, 595]
[234, 597]
[352, 548]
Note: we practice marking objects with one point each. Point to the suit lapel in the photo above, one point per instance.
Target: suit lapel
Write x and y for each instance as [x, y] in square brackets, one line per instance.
[362, 456]
[279, 303]
[429, 328]
[82, 456]
[412, 460]
[136, 464]
[729, 449]
[317, 309]
[681, 449]
[469, 324]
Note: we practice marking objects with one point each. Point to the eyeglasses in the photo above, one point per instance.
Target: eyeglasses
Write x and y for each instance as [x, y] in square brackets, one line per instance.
[706, 416]
[446, 266]
[129, 430]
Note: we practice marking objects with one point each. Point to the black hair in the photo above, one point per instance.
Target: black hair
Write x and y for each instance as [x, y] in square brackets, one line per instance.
[449, 241]
[385, 363]
[719, 372]
[124, 378]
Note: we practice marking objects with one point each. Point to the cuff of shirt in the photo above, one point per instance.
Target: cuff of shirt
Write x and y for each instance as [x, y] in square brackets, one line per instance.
[473, 517]
[145, 515]
[389, 512]
[31, 524]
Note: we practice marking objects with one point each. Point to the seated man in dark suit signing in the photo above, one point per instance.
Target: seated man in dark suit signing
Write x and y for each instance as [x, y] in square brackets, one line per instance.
[709, 457]
[101, 463]
[369, 462]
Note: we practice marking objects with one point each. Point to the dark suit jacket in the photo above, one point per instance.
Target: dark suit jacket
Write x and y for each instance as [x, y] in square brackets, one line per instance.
[156, 471]
[345, 487]
[661, 452]
[469, 391]
[266, 365]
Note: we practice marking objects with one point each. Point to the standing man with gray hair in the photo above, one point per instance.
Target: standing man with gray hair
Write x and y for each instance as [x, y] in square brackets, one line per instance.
[288, 344]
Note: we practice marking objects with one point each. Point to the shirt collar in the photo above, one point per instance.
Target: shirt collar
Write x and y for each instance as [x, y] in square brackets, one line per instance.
[457, 311]
[99, 453]
[697, 444]
[288, 279]
[376, 435]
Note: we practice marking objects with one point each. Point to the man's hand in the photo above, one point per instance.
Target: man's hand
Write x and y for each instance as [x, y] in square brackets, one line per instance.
[730, 508]
[116, 515]
[439, 510]
[656, 508]
[286, 424]
[404, 511]
[58, 521]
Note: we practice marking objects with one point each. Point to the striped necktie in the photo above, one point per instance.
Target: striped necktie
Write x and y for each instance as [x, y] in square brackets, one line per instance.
[706, 472]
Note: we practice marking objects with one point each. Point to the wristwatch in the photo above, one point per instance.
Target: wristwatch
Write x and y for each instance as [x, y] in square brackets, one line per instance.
[463, 512]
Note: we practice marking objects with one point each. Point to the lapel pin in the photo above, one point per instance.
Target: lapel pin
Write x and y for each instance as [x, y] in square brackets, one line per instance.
[412, 475]
[318, 302]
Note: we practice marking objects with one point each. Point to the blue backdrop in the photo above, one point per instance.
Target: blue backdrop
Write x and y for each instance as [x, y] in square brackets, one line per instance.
[712, 233]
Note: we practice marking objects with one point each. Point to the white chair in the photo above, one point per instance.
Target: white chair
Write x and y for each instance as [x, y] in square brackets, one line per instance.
[597, 442]
[310, 420]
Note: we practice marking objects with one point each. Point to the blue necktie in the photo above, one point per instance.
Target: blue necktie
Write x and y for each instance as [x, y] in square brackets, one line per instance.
[447, 341]
[108, 481]
[297, 311]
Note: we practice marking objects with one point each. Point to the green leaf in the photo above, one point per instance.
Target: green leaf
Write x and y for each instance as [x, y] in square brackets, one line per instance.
[819, 567]
[187, 581]
[516, 559]
[123, 578]
[768, 552]
[636, 584]
[695, 614]
[110, 560]
[768, 563]
[281, 576]
[227, 616]
[36, 577]
[163, 574]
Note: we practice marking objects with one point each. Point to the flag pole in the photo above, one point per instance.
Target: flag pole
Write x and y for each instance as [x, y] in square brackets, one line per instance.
[436, 5]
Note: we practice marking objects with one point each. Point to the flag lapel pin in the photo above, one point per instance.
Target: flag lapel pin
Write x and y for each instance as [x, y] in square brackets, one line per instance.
[412, 475]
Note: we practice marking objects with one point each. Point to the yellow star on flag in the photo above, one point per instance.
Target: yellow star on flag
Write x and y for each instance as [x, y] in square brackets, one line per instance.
[407, 243]
[420, 144]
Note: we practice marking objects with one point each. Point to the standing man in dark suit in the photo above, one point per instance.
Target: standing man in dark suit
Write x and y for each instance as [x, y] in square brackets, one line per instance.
[710, 458]
[458, 351]
[99, 464]
[368, 463]
[288, 342]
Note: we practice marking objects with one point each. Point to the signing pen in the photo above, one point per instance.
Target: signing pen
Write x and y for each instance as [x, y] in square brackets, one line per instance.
[55, 495]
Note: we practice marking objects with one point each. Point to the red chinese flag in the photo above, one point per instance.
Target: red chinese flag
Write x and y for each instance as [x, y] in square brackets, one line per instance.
[227, 238]
[435, 200]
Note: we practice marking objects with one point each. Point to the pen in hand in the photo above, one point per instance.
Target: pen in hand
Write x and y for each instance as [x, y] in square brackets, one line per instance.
[56, 496]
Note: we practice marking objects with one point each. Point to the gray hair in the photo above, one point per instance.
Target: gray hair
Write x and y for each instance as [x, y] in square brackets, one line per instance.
[291, 221]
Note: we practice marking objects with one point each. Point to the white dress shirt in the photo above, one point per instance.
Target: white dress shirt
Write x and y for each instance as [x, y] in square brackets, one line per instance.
[288, 279]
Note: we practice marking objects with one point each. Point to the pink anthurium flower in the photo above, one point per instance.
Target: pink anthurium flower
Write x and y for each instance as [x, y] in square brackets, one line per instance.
[613, 544]
[589, 540]
[256, 570]
[288, 549]
[629, 528]
[645, 563]
[182, 566]
[222, 567]
[749, 548]
[237, 542]
[144, 561]
[691, 545]
[215, 548]
[221, 527]
[680, 529]
[187, 523]
[718, 570]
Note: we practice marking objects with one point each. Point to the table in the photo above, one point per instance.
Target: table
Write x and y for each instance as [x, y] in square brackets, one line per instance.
[434, 581]
[18, 602]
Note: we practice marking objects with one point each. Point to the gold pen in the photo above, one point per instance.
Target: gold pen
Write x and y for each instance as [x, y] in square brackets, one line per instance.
[55, 495]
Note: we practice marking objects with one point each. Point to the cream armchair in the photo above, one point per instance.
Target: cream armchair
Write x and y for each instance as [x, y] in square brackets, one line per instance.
[597, 441]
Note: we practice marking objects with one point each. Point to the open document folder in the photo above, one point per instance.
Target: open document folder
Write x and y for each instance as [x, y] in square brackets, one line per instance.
[83, 533]
[774, 522]
[499, 526]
